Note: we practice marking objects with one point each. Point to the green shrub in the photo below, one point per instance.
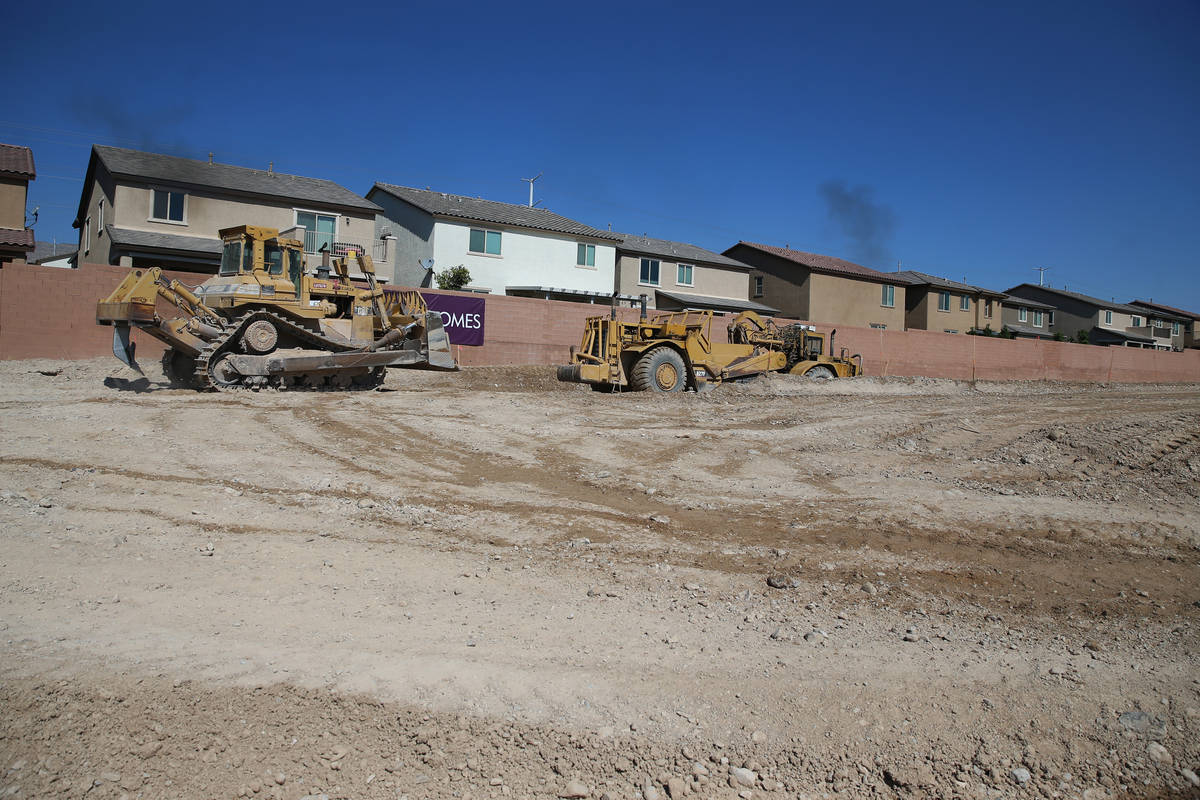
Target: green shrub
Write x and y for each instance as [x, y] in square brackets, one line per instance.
[453, 277]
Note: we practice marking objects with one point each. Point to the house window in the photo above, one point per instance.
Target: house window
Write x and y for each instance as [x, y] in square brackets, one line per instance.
[683, 275]
[947, 330]
[1135, 322]
[1022, 315]
[1108, 318]
[87, 234]
[987, 309]
[1174, 328]
[943, 301]
[879, 326]
[964, 303]
[1158, 323]
[889, 296]
[100, 217]
[586, 255]
[1049, 319]
[758, 285]
[649, 273]
[1037, 319]
[319, 230]
[486, 242]
[167, 206]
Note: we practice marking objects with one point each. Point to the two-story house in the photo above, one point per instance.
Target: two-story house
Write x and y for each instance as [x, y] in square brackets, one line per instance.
[676, 276]
[1170, 324]
[1105, 322]
[508, 249]
[1027, 319]
[822, 288]
[16, 171]
[939, 304]
[146, 209]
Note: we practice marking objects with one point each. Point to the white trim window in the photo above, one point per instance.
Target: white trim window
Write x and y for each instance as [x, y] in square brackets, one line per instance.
[320, 230]
[585, 255]
[1049, 319]
[964, 303]
[168, 206]
[1022, 314]
[1108, 318]
[484, 242]
[684, 274]
[758, 285]
[1158, 323]
[1135, 321]
[1037, 319]
[1174, 328]
[100, 217]
[87, 234]
[888, 296]
[943, 301]
[987, 309]
[648, 274]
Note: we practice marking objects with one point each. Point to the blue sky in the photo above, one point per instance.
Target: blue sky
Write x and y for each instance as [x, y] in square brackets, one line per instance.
[963, 140]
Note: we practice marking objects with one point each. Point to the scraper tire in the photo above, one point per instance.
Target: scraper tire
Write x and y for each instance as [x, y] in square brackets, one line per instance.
[660, 370]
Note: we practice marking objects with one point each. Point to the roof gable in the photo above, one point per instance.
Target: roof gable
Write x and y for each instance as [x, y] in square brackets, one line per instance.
[440, 204]
[828, 265]
[227, 178]
[915, 278]
[1082, 298]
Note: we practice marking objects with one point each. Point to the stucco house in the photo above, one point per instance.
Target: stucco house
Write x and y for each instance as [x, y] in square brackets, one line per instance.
[16, 171]
[932, 303]
[1106, 322]
[1183, 325]
[1028, 319]
[508, 249]
[146, 209]
[676, 276]
[822, 288]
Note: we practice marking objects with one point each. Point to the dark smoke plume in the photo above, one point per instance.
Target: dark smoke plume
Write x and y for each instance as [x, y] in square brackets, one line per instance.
[867, 224]
[155, 132]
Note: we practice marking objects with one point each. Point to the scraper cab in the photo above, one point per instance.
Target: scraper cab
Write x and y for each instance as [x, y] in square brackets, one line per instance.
[265, 320]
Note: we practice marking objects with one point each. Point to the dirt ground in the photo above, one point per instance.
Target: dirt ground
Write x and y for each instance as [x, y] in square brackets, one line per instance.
[488, 584]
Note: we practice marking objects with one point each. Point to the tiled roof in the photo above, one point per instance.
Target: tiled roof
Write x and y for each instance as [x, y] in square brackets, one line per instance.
[1013, 300]
[226, 177]
[43, 250]
[16, 237]
[17, 160]
[914, 278]
[677, 251]
[1083, 298]
[820, 263]
[163, 241]
[441, 204]
[717, 303]
[1167, 311]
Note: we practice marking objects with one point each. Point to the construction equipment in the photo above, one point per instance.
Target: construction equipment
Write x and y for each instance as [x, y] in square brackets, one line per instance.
[264, 321]
[675, 350]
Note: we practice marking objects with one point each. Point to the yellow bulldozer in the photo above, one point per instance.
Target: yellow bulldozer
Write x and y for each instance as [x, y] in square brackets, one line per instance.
[675, 351]
[265, 321]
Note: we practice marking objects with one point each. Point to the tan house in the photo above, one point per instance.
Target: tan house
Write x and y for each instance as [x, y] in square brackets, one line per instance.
[822, 288]
[146, 209]
[16, 171]
[1182, 325]
[1027, 319]
[676, 276]
[938, 304]
[1105, 322]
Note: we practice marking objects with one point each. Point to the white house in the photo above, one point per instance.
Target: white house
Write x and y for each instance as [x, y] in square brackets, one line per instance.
[509, 249]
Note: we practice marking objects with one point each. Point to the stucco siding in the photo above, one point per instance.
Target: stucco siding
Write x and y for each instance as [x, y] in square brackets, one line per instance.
[844, 301]
[706, 279]
[413, 229]
[12, 203]
[526, 259]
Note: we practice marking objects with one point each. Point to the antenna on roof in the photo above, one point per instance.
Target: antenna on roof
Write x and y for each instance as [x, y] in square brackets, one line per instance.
[210, 157]
[270, 167]
[1041, 275]
[530, 182]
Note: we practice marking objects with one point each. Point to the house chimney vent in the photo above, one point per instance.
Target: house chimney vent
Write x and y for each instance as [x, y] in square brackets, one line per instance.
[210, 157]
[270, 167]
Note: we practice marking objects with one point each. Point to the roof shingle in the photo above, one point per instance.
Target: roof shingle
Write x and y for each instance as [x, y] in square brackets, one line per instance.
[441, 204]
[1166, 311]
[172, 169]
[163, 241]
[679, 251]
[17, 160]
[16, 237]
[1095, 301]
[826, 264]
[915, 278]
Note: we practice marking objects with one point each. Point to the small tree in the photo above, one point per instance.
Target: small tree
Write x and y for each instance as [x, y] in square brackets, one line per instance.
[1058, 336]
[453, 278]
[987, 330]
[1082, 337]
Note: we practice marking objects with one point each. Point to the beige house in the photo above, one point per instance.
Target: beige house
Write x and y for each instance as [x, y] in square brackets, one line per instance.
[1165, 321]
[16, 171]
[145, 209]
[821, 288]
[937, 304]
[1104, 322]
[676, 276]
[1027, 319]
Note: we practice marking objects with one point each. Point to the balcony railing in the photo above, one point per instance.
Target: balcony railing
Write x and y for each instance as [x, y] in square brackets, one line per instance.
[314, 241]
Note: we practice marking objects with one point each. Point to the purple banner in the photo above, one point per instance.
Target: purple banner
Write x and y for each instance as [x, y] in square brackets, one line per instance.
[461, 316]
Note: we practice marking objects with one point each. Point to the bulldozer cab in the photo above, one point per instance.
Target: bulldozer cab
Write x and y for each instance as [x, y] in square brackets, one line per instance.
[252, 250]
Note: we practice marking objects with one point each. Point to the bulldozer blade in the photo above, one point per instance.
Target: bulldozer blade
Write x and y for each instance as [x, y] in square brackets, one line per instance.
[123, 347]
[438, 343]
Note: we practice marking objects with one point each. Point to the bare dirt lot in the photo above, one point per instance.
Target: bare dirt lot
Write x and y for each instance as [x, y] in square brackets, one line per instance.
[489, 584]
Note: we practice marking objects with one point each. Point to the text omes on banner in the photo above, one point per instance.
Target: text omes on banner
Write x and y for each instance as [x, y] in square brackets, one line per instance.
[461, 316]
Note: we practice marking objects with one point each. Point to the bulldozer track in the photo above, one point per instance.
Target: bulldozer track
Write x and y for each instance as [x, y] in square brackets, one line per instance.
[214, 350]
